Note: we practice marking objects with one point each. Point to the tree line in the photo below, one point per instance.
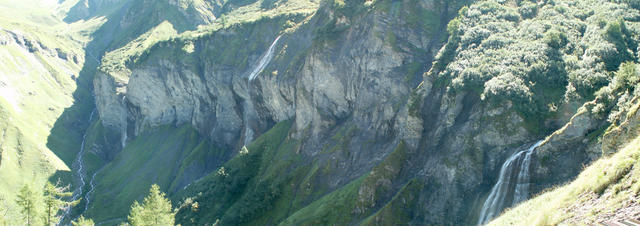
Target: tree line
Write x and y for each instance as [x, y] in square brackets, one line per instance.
[47, 207]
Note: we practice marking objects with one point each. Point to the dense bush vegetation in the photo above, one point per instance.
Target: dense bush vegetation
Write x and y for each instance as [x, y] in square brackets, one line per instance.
[537, 55]
[618, 35]
[633, 3]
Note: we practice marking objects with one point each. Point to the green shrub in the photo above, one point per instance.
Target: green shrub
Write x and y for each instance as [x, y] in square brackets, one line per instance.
[447, 53]
[617, 33]
[507, 86]
[627, 76]
[555, 39]
[633, 3]
[528, 10]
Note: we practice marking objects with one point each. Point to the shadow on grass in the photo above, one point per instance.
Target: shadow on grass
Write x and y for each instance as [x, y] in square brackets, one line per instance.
[68, 131]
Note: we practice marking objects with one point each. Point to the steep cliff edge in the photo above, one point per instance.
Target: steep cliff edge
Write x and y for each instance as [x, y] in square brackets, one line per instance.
[340, 133]
[607, 190]
[330, 85]
[507, 78]
[309, 112]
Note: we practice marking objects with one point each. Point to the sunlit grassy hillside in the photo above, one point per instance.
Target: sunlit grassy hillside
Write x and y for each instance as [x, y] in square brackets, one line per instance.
[41, 59]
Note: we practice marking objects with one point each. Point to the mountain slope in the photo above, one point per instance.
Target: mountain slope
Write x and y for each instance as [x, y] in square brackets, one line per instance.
[605, 191]
[117, 114]
[210, 78]
[305, 112]
[37, 78]
[345, 79]
[45, 85]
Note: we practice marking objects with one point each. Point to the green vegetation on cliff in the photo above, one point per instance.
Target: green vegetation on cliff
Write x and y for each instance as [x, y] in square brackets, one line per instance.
[232, 17]
[267, 183]
[537, 60]
[607, 189]
[539, 56]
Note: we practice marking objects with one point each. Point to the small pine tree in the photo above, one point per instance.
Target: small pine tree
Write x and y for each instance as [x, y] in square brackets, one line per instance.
[27, 200]
[155, 210]
[83, 222]
[54, 200]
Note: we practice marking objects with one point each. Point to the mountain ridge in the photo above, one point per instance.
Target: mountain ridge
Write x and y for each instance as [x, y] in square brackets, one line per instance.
[362, 112]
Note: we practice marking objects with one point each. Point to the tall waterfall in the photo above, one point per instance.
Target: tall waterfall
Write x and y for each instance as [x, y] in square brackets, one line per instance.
[78, 166]
[512, 186]
[264, 60]
[249, 111]
[249, 115]
[124, 127]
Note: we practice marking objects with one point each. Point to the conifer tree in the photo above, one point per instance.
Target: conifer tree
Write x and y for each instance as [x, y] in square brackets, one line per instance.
[27, 200]
[154, 210]
[83, 222]
[55, 200]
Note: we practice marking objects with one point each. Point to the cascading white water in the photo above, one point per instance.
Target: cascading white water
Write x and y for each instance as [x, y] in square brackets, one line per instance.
[521, 191]
[248, 132]
[124, 127]
[93, 186]
[264, 60]
[78, 165]
[92, 183]
[249, 111]
[504, 190]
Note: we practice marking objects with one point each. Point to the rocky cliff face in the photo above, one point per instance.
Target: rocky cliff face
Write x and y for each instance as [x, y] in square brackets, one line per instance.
[346, 77]
[328, 83]
[605, 190]
[356, 81]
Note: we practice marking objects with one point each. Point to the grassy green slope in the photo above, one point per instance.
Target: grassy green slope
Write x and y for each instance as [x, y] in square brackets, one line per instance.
[35, 88]
[272, 184]
[237, 190]
[159, 156]
[235, 15]
[115, 61]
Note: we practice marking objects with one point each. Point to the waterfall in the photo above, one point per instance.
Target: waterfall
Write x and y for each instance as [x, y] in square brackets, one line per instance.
[93, 186]
[249, 113]
[124, 127]
[505, 193]
[78, 165]
[264, 60]
[248, 116]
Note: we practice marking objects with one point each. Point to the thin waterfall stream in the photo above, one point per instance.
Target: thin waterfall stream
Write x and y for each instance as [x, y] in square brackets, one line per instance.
[264, 60]
[124, 128]
[79, 175]
[249, 112]
[512, 186]
[93, 186]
